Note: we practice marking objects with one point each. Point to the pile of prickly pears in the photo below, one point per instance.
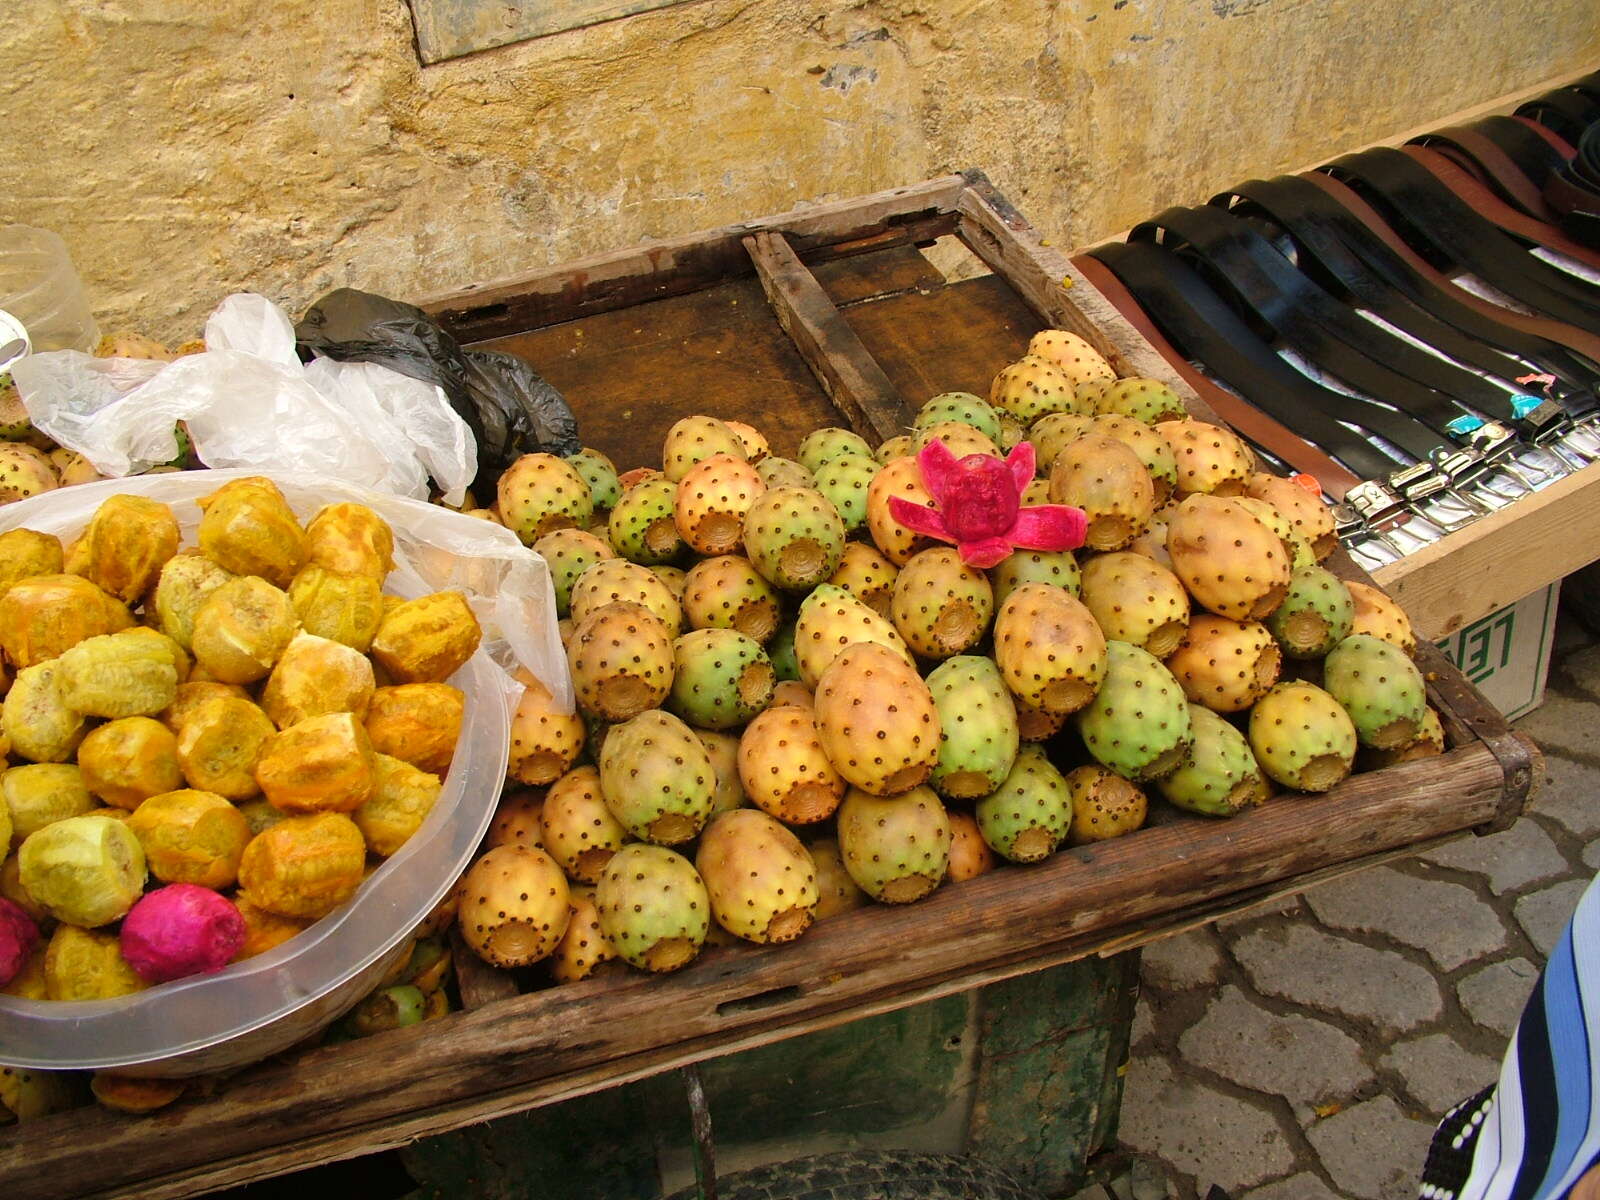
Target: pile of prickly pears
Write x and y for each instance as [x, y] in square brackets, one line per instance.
[790, 703]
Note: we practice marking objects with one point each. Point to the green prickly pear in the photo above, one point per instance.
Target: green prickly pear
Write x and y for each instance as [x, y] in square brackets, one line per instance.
[1315, 615]
[823, 444]
[613, 579]
[959, 406]
[694, 439]
[1147, 400]
[761, 881]
[784, 769]
[941, 606]
[778, 472]
[896, 849]
[781, 650]
[877, 720]
[1429, 743]
[1301, 737]
[1053, 433]
[794, 537]
[1033, 387]
[621, 661]
[720, 678]
[653, 907]
[1136, 600]
[866, 575]
[844, 480]
[1050, 652]
[1056, 567]
[569, 553]
[643, 527]
[895, 447]
[1030, 813]
[728, 593]
[1230, 562]
[600, 473]
[978, 737]
[830, 620]
[657, 778]
[540, 492]
[711, 502]
[1138, 722]
[1379, 687]
[1104, 804]
[1106, 479]
[1218, 775]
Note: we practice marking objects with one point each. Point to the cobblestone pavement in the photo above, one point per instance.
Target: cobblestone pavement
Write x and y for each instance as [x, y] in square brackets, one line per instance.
[1305, 1052]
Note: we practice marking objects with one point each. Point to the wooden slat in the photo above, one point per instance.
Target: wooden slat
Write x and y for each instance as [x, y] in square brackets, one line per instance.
[566, 1041]
[851, 377]
[673, 266]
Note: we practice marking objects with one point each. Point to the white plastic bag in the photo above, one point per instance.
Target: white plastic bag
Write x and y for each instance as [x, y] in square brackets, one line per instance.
[248, 402]
[508, 586]
[40, 287]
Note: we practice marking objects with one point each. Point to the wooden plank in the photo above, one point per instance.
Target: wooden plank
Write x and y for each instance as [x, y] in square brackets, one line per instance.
[877, 274]
[850, 376]
[1499, 559]
[566, 1041]
[476, 981]
[674, 266]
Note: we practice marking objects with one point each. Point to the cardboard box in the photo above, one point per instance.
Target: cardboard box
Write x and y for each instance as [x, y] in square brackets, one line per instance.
[1506, 655]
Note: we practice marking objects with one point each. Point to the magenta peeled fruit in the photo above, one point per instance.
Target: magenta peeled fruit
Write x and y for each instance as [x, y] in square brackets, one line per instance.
[18, 936]
[179, 930]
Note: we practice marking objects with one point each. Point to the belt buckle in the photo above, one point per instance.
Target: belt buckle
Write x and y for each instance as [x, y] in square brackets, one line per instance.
[1580, 445]
[1389, 515]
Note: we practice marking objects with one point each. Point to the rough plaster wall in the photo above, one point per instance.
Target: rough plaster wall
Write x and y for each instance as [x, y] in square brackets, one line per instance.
[187, 150]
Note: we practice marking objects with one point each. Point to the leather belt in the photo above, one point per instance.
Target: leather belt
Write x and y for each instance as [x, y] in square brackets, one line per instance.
[1574, 190]
[1510, 180]
[1568, 110]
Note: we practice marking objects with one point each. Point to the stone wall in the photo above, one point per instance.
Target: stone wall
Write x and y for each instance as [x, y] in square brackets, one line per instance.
[187, 150]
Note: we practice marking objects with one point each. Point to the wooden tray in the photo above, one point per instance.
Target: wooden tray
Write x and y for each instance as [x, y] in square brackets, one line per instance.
[858, 319]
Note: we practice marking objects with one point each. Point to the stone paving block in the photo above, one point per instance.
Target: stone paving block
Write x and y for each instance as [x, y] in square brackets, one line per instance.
[1322, 971]
[1571, 793]
[1445, 920]
[1373, 1150]
[1591, 856]
[1543, 914]
[1149, 1180]
[1440, 1072]
[1304, 1186]
[1186, 960]
[1285, 906]
[1144, 1021]
[1560, 724]
[1522, 855]
[1200, 1131]
[1303, 1059]
[1581, 664]
[1494, 996]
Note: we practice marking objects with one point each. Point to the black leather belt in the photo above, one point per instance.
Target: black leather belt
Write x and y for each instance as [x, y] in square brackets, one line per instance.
[1568, 110]
[1574, 190]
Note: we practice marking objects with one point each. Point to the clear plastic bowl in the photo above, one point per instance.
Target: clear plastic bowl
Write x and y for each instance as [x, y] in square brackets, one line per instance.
[268, 1003]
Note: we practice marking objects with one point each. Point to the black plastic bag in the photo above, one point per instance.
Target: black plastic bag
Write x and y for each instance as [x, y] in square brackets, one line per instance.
[509, 408]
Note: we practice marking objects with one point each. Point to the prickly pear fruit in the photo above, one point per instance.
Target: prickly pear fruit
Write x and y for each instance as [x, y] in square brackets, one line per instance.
[1301, 737]
[621, 660]
[1104, 805]
[1106, 479]
[643, 526]
[576, 828]
[1056, 567]
[866, 575]
[1037, 492]
[794, 537]
[723, 751]
[1429, 743]
[600, 473]
[780, 649]
[1377, 614]
[720, 678]
[350, 539]
[978, 737]
[778, 472]
[792, 692]
[425, 640]
[569, 553]
[1218, 775]
[1053, 433]
[545, 742]
[711, 502]
[895, 447]
[896, 849]
[1029, 814]
[1076, 357]
[695, 439]
[125, 545]
[1230, 562]
[35, 717]
[518, 820]
[941, 606]
[540, 492]
[1315, 615]
[26, 554]
[583, 948]
[119, 675]
[1138, 722]
[901, 477]
[728, 593]
[1225, 665]
[970, 855]
[73, 468]
[24, 472]
[836, 891]
[1152, 449]
[653, 906]
[1380, 688]
[657, 778]
[959, 406]
[1031, 388]
[959, 438]
[877, 720]
[754, 441]
[830, 620]
[784, 769]
[844, 480]
[1137, 601]
[515, 906]
[761, 881]
[15, 426]
[1147, 400]
[673, 577]
[1304, 508]
[823, 444]
[1210, 459]
[1295, 547]
[1050, 651]
[1037, 725]
[614, 580]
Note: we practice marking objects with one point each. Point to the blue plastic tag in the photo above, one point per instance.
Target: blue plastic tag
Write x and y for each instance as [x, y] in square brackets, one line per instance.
[1466, 424]
[1522, 405]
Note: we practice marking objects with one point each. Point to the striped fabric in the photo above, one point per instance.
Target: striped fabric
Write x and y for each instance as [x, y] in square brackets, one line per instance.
[1538, 1130]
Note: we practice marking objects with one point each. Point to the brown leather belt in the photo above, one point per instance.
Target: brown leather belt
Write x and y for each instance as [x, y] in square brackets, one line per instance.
[1474, 153]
